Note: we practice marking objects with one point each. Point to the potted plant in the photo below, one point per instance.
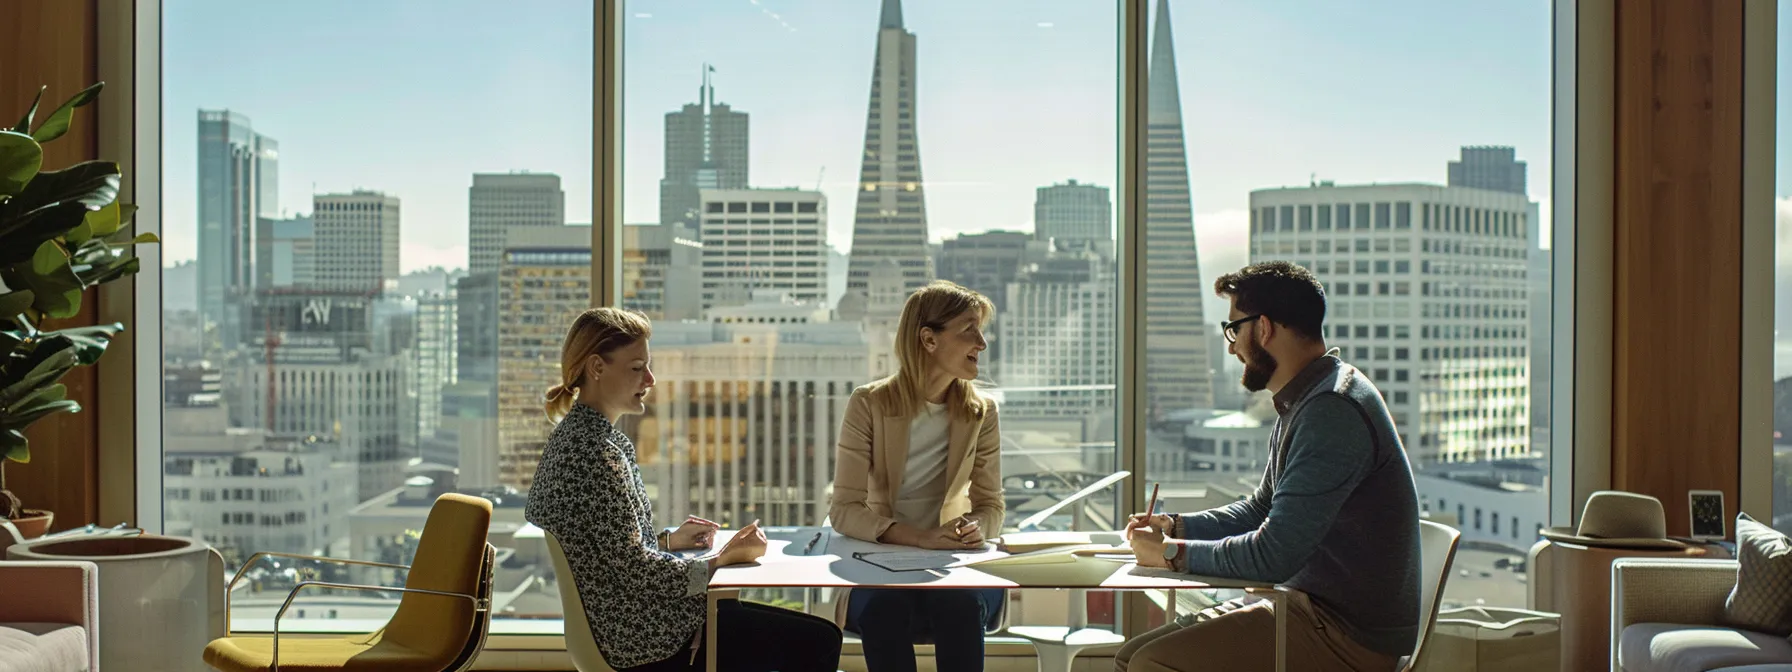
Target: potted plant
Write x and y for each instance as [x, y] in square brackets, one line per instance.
[61, 232]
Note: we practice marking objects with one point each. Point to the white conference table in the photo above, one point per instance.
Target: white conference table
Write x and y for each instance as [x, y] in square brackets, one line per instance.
[830, 564]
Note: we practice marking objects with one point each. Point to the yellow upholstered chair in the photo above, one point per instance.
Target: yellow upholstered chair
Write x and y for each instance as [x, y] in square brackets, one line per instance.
[444, 609]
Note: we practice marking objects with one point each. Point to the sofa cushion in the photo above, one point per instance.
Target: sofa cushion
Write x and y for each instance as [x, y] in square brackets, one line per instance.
[1675, 647]
[42, 647]
[1762, 598]
[1772, 667]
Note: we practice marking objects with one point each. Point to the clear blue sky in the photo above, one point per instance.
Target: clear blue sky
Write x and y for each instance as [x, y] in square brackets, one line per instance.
[413, 96]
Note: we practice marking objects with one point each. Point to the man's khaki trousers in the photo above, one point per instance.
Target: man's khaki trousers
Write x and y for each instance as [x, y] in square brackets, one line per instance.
[1241, 637]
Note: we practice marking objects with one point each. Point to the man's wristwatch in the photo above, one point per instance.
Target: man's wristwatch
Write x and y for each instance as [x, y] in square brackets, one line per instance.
[1171, 552]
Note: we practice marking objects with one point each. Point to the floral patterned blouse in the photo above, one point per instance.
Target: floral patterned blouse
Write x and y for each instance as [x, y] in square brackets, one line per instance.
[644, 604]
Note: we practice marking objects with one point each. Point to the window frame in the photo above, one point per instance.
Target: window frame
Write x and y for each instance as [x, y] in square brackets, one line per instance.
[1760, 79]
[130, 441]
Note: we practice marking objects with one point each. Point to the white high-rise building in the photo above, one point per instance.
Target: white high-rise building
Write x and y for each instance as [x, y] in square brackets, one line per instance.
[357, 240]
[746, 414]
[1428, 294]
[1058, 335]
[497, 202]
[355, 404]
[763, 240]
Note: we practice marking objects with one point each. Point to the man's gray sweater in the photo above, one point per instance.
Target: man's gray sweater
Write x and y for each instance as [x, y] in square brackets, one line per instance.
[1336, 515]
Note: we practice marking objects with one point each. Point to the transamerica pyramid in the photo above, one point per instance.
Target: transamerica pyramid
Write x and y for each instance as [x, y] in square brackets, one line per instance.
[1177, 368]
[890, 223]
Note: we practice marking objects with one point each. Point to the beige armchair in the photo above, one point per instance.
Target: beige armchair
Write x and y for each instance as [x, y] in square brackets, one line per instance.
[1667, 615]
[49, 617]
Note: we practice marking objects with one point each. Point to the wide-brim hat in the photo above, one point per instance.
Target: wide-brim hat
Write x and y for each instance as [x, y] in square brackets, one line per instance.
[1616, 519]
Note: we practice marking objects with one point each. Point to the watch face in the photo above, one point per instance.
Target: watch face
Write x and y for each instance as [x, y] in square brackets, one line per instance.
[1170, 551]
[1707, 516]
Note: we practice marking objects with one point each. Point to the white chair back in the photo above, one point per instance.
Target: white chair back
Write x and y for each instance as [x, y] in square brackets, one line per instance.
[1437, 551]
[580, 643]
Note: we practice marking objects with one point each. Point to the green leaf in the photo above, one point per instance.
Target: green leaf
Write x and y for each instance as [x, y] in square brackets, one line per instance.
[25, 416]
[48, 257]
[14, 302]
[90, 342]
[55, 285]
[125, 238]
[47, 369]
[20, 159]
[59, 121]
[124, 266]
[13, 443]
[24, 125]
[83, 187]
[43, 225]
[43, 395]
[106, 220]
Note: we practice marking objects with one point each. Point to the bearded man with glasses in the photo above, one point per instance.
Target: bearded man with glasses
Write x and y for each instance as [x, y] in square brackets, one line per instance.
[1335, 517]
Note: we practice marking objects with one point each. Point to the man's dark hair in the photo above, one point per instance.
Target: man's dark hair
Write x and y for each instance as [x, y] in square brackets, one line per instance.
[1279, 291]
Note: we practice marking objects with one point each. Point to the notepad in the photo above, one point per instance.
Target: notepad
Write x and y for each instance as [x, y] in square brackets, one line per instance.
[908, 561]
[1026, 542]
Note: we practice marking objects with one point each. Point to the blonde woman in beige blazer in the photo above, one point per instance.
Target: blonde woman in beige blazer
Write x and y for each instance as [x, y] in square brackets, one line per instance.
[919, 464]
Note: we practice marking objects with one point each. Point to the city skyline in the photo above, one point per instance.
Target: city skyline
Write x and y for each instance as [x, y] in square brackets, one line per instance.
[1019, 124]
[1048, 65]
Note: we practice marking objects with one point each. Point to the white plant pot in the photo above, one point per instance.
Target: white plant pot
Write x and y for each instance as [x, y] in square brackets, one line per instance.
[161, 598]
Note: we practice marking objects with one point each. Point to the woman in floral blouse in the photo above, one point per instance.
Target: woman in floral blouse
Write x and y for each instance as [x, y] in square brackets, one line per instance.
[646, 605]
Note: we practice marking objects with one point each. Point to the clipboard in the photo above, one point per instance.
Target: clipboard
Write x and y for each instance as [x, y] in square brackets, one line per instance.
[907, 561]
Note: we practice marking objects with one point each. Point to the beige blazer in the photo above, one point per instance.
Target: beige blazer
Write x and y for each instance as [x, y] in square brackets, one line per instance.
[873, 455]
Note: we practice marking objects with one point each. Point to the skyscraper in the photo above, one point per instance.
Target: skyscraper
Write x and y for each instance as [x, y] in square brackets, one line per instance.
[238, 186]
[1491, 168]
[1072, 212]
[1177, 340]
[356, 240]
[434, 356]
[499, 201]
[1498, 169]
[763, 240]
[1427, 293]
[985, 262]
[544, 281]
[890, 223]
[1057, 335]
[706, 148]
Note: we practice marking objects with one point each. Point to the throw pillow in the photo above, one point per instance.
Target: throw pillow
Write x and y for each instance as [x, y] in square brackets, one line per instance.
[1762, 598]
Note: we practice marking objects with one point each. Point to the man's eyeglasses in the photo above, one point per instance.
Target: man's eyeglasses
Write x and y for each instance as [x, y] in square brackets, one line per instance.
[1230, 329]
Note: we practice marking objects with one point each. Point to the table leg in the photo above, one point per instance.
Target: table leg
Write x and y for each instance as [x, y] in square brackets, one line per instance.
[1281, 629]
[709, 633]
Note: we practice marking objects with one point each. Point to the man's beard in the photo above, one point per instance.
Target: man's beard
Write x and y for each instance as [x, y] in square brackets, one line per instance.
[1259, 366]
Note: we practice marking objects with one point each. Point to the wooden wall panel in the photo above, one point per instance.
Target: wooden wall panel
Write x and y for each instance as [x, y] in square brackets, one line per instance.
[54, 42]
[1678, 249]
